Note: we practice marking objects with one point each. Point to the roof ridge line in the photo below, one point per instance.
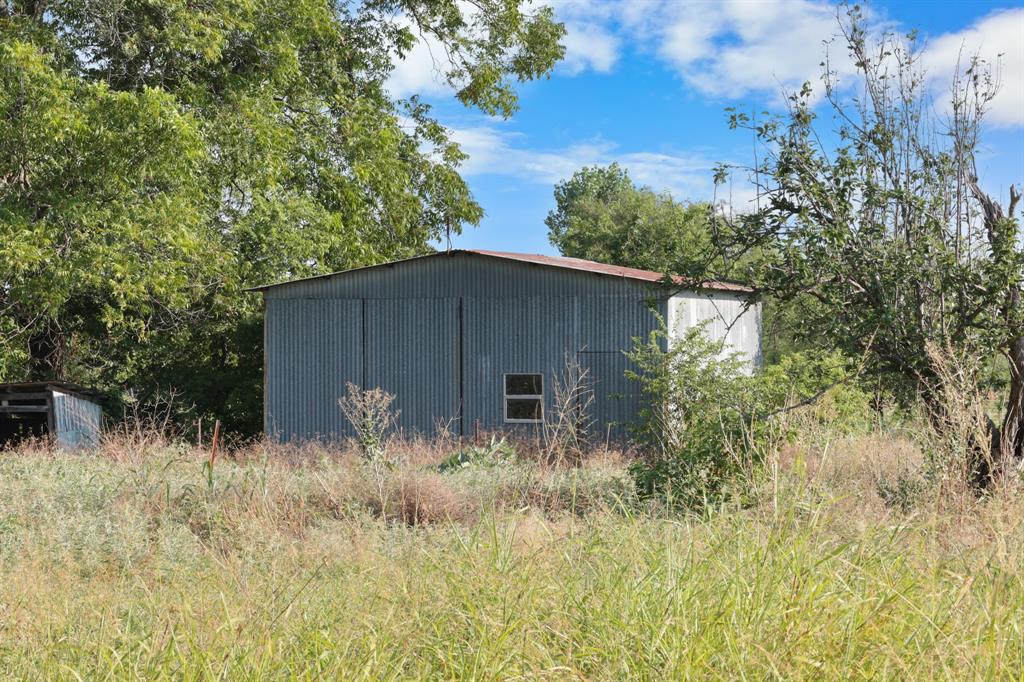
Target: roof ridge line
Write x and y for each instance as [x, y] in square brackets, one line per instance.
[564, 262]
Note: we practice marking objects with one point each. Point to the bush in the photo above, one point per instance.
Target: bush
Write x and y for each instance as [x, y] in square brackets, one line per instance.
[692, 396]
[826, 382]
[901, 492]
[707, 422]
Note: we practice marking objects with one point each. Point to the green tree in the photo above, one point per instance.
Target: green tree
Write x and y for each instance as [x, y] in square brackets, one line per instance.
[887, 236]
[157, 157]
[601, 215]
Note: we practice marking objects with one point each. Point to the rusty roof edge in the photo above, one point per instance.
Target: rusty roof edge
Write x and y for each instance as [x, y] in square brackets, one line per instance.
[62, 386]
[607, 270]
[558, 262]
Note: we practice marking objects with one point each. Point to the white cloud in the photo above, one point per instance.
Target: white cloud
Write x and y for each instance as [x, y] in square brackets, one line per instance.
[589, 46]
[422, 72]
[738, 48]
[735, 48]
[720, 47]
[741, 48]
[999, 40]
[687, 42]
[495, 152]
[592, 41]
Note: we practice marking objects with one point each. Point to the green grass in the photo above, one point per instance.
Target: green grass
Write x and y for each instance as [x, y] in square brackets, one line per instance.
[139, 569]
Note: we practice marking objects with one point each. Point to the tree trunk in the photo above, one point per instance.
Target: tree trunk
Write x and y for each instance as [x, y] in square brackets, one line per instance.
[1011, 435]
[47, 349]
[1008, 440]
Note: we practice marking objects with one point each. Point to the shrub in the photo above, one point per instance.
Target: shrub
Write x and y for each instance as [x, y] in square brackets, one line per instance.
[901, 491]
[691, 392]
[826, 383]
[706, 421]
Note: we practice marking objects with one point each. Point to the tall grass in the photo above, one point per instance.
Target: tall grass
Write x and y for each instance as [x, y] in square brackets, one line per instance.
[128, 565]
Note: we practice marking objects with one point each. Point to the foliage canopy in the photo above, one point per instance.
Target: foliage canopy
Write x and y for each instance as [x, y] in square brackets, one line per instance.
[159, 156]
[602, 215]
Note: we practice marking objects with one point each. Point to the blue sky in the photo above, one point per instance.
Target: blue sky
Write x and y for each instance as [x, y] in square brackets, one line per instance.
[645, 83]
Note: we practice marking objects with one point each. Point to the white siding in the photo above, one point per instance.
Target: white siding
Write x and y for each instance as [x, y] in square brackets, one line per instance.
[729, 317]
[77, 421]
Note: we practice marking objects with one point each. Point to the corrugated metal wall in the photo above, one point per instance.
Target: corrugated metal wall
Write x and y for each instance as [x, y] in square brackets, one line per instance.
[728, 316]
[312, 348]
[412, 352]
[398, 327]
[529, 335]
[615, 399]
[76, 421]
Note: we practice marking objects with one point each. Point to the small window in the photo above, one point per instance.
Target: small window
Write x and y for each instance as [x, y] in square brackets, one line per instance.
[524, 398]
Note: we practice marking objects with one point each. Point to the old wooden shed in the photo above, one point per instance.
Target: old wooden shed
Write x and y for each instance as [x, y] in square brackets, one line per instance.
[69, 414]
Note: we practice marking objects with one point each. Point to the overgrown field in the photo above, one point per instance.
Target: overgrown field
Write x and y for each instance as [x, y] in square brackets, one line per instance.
[839, 562]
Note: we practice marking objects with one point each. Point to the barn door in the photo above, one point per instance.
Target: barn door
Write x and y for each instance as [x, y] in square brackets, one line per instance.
[616, 399]
[412, 351]
[313, 347]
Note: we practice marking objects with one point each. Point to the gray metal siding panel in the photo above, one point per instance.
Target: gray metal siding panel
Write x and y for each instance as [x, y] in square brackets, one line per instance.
[313, 348]
[616, 399]
[412, 352]
[611, 323]
[515, 335]
[538, 334]
[410, 347]
[76, 421]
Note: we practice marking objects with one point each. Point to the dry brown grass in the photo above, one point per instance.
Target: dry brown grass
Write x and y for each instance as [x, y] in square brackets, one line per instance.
[421, 498]
[291, 488]
[854, 466]
[284, 564]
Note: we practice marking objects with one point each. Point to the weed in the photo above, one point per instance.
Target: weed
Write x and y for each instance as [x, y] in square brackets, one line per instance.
[289, 567]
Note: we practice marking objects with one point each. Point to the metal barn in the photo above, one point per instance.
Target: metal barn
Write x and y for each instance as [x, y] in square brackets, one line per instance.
[67, 413]
[474, 339]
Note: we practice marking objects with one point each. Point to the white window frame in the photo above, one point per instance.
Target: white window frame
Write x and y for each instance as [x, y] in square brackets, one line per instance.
[531, 396]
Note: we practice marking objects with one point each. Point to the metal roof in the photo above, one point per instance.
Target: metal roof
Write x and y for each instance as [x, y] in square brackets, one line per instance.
[62, 386]
[606, 269]
[548, 261]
